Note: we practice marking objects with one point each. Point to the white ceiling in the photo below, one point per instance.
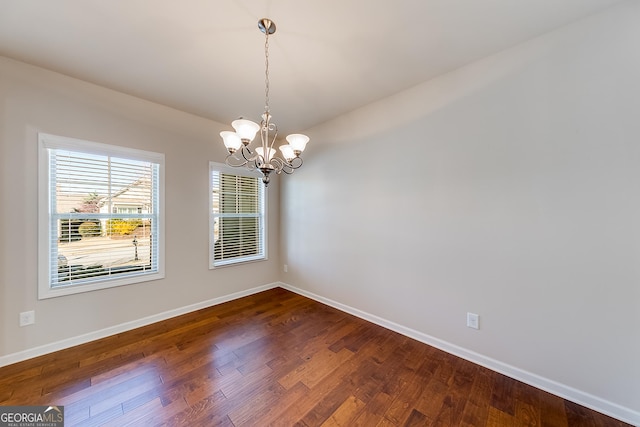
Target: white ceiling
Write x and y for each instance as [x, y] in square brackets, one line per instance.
[327, 57]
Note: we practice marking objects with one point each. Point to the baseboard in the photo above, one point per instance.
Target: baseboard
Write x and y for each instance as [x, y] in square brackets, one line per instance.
[566, 392]
[127, 326]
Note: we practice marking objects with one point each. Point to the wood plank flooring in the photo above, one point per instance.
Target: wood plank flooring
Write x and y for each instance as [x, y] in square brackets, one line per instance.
[277, 358]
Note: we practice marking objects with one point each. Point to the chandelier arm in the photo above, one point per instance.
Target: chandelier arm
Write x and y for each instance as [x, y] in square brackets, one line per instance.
[247, 159]
[264, 133]
[288, 170]
[230, 161]
[252, 160]
[275, 135]
[248, 155]
[279, 165]
[295, 163]
[285, 166]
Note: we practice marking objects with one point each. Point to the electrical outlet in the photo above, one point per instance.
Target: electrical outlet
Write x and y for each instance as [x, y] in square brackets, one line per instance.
[27, 318]
[286, 268]
[473, 321]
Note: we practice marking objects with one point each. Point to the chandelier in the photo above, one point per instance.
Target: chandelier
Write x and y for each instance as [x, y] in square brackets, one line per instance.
[263, 157]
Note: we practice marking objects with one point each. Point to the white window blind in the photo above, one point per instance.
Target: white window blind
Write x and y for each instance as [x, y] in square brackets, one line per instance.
[237, 231]
[103, 216]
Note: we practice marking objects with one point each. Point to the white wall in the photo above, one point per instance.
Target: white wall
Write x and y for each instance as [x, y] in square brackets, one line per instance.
[33, 100]
[508, 188]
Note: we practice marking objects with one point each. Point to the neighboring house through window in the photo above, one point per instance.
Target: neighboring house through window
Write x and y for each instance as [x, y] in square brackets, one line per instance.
[100, 216]
[237, 216]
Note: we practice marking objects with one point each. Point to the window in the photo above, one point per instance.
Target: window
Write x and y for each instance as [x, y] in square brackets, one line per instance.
[100, 216]
[237, 216]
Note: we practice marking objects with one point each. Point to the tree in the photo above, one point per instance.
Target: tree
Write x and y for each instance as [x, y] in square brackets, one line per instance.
[90, 204]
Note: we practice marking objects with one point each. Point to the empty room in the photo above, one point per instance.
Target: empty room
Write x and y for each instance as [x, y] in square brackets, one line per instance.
[252, 213]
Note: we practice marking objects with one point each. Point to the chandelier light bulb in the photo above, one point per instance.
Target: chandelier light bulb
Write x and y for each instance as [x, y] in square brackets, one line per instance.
[231, 140]
[271, 151]
[287, 152]
[298, 141]
[246, 129]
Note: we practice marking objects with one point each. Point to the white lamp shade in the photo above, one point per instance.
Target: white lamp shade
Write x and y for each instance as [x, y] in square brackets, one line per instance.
[231, 140]
[272, 152]
[297, 141]
[246, 129]
[287, 152]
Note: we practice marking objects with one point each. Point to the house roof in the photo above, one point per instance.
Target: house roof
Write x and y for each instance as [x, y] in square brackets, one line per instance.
[326, 57]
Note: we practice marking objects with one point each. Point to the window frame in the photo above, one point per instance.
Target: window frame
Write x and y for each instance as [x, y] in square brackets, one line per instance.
[48, 142]
[225, 169]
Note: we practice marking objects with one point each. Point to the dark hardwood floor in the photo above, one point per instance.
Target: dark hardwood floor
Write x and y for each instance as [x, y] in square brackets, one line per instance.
[277, 358]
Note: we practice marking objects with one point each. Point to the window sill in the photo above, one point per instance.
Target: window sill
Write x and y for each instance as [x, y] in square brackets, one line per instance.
[230, 263]
[45, 292]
